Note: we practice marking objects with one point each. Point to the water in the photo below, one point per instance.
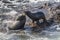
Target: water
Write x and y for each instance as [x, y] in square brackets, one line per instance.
[28, 35]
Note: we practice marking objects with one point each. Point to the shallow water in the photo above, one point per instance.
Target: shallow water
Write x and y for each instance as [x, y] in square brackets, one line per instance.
[29, 36]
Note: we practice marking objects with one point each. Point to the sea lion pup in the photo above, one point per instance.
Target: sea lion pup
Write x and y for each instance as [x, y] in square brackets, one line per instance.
[20, 24]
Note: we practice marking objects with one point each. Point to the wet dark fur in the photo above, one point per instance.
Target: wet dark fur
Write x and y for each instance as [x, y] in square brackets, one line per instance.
[20, 24]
